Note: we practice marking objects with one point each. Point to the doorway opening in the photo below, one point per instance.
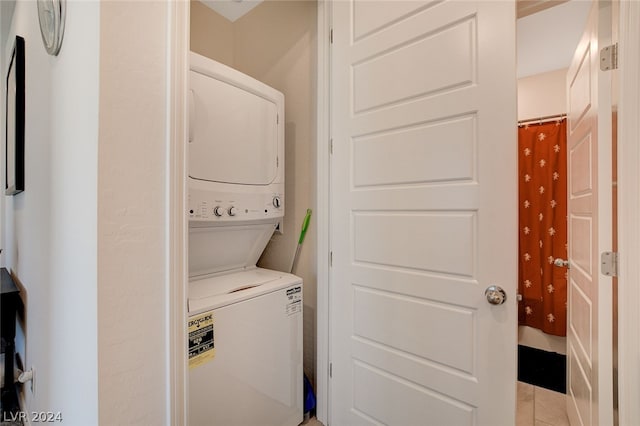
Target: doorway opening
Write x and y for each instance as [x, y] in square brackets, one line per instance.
[546, 40]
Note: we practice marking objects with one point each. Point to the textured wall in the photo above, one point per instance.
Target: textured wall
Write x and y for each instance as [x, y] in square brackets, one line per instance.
[132, 218]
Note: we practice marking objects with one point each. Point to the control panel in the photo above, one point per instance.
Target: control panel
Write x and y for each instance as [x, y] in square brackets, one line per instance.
[227, 207]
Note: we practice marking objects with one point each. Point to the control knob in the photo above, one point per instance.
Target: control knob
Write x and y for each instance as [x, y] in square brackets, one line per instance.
[277, 202]
[218, 211]
[232, 211]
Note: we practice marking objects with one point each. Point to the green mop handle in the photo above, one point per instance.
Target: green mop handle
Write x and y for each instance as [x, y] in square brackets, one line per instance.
[303, 232]
[305, 225]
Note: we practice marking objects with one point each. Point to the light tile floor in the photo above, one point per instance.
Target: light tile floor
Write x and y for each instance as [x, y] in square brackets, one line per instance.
[540, 407]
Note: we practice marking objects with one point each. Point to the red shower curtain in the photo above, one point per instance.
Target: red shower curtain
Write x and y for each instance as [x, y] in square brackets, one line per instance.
[542, 172]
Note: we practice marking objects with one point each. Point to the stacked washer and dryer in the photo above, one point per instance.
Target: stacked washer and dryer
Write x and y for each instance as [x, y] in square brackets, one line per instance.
[245, 322]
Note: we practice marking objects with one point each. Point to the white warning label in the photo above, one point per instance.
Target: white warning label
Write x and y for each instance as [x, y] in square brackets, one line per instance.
[294, 300]
[201, 341]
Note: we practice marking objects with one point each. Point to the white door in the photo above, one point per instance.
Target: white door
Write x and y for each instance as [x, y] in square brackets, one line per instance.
[589, 331]
[423, 213]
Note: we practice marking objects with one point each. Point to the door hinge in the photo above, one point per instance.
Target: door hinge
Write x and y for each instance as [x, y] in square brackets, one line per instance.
[609, 58]
[330, 146]
[330, 370]
[609, 263]
[331, 36]
[330, 259]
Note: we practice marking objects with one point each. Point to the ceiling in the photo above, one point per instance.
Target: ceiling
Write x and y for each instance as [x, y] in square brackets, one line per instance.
[231, 9]
[548, 38]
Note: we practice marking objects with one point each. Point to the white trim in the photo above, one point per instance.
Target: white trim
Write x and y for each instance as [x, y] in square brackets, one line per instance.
[322, 211]
[177, 66]
[628, 214]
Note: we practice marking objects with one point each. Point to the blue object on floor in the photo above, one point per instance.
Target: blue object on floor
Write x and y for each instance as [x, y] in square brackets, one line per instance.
[309, 396]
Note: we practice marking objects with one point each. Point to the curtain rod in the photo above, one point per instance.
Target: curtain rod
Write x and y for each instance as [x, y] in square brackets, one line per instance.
[542, 119]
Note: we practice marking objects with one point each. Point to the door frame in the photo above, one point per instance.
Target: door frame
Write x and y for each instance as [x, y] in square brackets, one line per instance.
[322, 207]
[628, 211]
[177, 50]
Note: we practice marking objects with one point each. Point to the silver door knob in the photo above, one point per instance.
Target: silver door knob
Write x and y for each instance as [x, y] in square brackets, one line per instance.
[561, 263]
[495, 295]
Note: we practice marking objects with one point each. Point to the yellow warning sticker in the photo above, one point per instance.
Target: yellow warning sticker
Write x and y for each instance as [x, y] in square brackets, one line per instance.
[201, 341]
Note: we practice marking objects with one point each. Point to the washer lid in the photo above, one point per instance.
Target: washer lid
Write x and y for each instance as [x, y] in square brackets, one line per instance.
[222, 247]
[216, 291]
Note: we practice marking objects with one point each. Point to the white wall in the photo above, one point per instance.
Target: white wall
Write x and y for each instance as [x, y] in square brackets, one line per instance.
[133, 309]
[276, 44]
[88, 236]
[211, 33]
[50, 228]
[542, 95]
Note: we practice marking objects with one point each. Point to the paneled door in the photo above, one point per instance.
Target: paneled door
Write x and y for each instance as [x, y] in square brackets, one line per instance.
[589, 330]
[423, 213]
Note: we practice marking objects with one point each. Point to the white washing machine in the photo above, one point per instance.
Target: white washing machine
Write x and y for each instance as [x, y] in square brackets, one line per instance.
[252, 376]
[245, 323]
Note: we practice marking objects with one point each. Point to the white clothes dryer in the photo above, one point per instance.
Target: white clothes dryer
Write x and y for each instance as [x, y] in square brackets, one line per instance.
[245, 323]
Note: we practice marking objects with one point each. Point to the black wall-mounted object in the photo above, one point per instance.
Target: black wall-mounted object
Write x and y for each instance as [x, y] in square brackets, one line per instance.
[15, 121]
[9, 303]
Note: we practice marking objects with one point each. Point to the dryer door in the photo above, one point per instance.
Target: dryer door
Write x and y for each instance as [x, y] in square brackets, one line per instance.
[233, 133]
